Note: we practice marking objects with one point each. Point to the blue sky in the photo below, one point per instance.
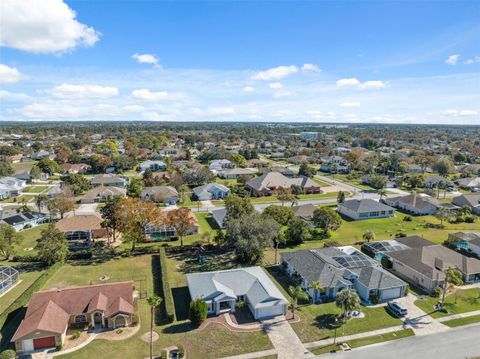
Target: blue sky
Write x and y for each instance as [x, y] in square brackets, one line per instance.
[343, 61]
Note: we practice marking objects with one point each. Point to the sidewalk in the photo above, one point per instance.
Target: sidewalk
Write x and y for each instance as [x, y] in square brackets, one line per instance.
[458, 316]
[253, 355]
[325, 342]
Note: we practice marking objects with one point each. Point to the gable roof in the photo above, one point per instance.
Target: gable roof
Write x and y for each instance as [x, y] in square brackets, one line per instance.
[160, 193]
[83, 222]
[418, 201]
[107, 178]
[50, 310]
[251, 281]
[277, 180]
[304, 210]
[365, 205]
[102, 191]
[209, 188]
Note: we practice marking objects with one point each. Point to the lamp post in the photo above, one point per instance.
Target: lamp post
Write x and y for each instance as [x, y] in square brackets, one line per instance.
[335, 332]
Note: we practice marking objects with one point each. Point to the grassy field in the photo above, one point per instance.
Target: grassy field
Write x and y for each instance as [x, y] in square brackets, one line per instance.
[211, 342]
[356, 343]
[29, 240]
[343, 178]
[453, 323]
[318, 320]
[35, 189]
[460, 301]
[28, 274]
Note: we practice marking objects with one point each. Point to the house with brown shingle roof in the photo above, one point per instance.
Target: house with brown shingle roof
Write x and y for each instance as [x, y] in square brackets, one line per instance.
[50, 313]
[415, 203]
[81, 230]
[101, 194]
[267, 183]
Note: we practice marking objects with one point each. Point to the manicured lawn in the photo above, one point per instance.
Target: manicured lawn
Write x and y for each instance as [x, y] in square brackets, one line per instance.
[29, 240]
[212, 342]
[343, 178]
[381, 338]
[19, 199]
[322, 183]
[318, 320]
[35, 189]
[267, 199]
[462, 321]
[226, 182]
[28, 274]
[461, 301]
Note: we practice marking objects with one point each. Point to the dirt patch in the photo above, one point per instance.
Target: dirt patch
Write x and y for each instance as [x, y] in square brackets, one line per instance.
[104, 278]
[146, 337]
[119, 334]
[71, 342]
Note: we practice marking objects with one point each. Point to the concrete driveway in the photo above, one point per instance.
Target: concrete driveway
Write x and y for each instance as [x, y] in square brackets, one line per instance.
[418, 320]
[84, 208]
[284, 339]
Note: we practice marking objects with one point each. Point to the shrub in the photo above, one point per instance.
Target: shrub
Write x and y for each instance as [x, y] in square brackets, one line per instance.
[119, 331]
[469, 219]
[436, 292]
[407, 218]
[375, 298]
[167, 293]
[82, 254]
[163, 354]
[407, 290]
[198, 311]
[8, 354]
[400, 234]
[76, 335]
[58, 347]
[26, 258]
[181, 351]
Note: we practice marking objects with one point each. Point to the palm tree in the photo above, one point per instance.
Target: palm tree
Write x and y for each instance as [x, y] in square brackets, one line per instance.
[40, 201]
[452, 276]
[382, 192]
[317, 288]
[348, 300]
[153, 301]
[442, 214]
[296, 293]
[368, 236]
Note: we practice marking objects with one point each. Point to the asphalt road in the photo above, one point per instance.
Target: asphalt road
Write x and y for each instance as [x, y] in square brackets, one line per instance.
[460, 343]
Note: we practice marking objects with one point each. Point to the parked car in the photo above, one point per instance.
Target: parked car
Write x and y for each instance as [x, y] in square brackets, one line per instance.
[397, 309]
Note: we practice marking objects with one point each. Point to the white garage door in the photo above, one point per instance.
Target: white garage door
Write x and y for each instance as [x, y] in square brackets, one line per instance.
[269, 312]
[388, 294]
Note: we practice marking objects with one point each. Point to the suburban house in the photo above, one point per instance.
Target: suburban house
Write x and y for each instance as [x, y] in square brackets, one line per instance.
[160, 194]
[50, 313]
[223, 290]
[211, 191]
[469, 183]
[471, 200]
[418, 204]
[11, 186]
[101, 194]
[75, 168]
[268, 183]
[163, 228]
[21, 220]
[433, 181]
[335, 164]
[364, 209]
[219, 165]
[152, 165]
[304, 211]
[235, 173]
[287, 172]
[424, 263]
[81, 230]
[109, 180]
[220, 216]
[469, 241]
[340, 268]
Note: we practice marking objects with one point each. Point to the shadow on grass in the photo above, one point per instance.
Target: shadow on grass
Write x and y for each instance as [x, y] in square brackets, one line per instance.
[181, 300]
[328, 321]
[11, 324]
[211, 222]
[179, 328]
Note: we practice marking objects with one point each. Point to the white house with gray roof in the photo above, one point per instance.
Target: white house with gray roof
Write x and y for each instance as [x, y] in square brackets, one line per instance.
[340, 268]
[222, 290]
[365, 209]
[211, 191]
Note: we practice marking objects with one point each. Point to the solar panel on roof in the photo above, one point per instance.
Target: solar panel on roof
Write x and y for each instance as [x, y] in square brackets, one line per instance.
[28, 215]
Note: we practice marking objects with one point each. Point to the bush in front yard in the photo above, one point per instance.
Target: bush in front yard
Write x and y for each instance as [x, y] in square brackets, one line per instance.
[181, 351]
[436, 292]
[8, 354]
[198, 311]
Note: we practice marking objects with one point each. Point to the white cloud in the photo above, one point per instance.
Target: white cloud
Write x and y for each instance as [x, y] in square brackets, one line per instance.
[42, 27]
[9, 75]
[220, 111]
[275, 85]
[310, 68]
[146, 59]
[70, 91]
[367, 85]
[13, 97]
[58, 110]
[373, 85]
[248, 89]
[279, 94]
[452, 59]
[147, 95]
[275, 73]
[350, 104]
[348, 82]
[473, 60]
[459, 113]
[133, 108]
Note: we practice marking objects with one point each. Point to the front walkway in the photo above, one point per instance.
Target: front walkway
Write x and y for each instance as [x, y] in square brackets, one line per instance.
[421, 322]
[284, 339]
[261, 354]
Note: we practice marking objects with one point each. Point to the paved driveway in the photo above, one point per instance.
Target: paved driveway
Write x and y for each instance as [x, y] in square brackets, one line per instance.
[418, 320]
[84, 208]
[284, 339]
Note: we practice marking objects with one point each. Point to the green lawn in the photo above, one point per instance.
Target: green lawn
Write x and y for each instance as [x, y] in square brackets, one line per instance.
[29, 240]
[212, 342]
[35, 189]
[267, 199]
[321, 183]
[19, 199]
[343, 178]
[318, 320]
[461, 301]
[28, 274]
[462, 321]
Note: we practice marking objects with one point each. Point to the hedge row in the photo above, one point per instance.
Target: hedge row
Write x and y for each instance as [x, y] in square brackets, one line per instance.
[23, 299]
[167, 293]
